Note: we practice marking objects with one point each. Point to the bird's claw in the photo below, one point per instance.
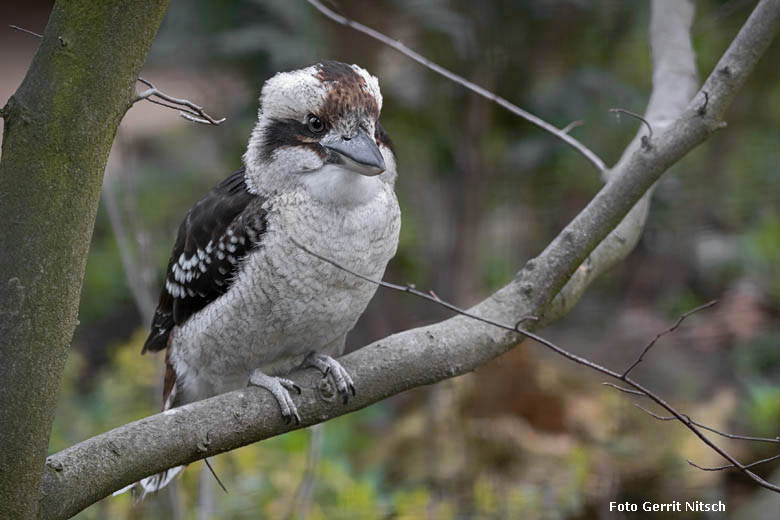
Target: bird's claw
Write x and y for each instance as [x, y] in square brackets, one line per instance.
[338, 374]
[280, 389]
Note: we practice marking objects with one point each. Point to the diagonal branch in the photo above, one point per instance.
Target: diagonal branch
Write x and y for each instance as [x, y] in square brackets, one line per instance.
[637, 389]
[431, 297]
[674, 85]
[420, 356]
[435, 67]
[775, 440]
[731, 466]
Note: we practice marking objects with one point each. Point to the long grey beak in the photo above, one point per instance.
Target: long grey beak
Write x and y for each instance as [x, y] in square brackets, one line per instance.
[359, 154]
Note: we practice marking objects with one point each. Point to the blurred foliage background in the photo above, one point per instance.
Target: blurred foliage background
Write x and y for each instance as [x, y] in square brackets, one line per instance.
[528, 435]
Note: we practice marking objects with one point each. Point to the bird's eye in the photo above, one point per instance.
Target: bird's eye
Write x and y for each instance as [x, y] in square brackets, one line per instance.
[315, 124]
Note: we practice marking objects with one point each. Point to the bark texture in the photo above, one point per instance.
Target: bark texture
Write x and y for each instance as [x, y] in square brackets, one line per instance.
[59, 126]
[674, 84]
[84, 473]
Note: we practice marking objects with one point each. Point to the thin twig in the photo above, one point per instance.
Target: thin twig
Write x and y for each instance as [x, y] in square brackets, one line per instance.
[775, 440]
[730, 466]
[638, 389]
[301, 503]
[187, 109]
[527, 317]
[623, 389]
[166, 105]
[619, 111]
[667, 331]
[571, 126]
[659, 417]
[143, 294]
[195, 119]
[28, 31]
[214, 474]
[419, 58]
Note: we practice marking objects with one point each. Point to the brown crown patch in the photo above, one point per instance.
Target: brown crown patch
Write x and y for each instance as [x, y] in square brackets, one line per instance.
[347, 91]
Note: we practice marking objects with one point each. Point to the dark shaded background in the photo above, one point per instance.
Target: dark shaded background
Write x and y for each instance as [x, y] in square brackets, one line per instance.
[528, 435]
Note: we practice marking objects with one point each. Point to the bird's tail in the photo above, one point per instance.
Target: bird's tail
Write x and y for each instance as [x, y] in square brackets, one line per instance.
[151, 484]
[156, 482]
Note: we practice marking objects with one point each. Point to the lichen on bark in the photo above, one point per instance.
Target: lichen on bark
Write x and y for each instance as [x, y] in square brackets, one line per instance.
[59, 126]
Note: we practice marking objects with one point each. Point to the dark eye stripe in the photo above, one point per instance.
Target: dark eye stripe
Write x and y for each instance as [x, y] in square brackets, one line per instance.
[288, 132]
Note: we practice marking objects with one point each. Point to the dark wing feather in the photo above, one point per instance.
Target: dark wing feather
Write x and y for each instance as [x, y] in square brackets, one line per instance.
[217, 232]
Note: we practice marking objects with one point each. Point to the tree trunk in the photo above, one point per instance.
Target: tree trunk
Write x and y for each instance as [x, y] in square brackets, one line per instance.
[59, 126]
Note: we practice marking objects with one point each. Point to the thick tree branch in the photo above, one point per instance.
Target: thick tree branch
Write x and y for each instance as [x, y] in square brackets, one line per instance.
[674, 84]
[632, 177]
[82, 474]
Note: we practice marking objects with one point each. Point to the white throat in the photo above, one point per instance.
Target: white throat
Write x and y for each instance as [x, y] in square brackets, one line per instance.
[337, 185]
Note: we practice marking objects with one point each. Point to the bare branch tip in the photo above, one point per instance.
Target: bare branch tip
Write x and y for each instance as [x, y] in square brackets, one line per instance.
[571, 126]
[187, 109]
[623, 389]
[523, 319]
[204, 121]
[22, 29]
[658, 336]
[145, 82]
[655, 415]
[214, 474]
[736, 465]
[689, 461]
[619, 111]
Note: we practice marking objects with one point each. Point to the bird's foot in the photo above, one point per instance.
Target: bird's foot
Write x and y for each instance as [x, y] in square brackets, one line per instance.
[280, 389]
[329, 366]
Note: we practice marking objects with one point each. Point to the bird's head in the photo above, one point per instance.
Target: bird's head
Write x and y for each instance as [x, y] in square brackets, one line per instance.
[318, 129]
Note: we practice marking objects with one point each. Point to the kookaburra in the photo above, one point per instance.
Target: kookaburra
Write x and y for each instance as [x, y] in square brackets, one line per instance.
[243, 303]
